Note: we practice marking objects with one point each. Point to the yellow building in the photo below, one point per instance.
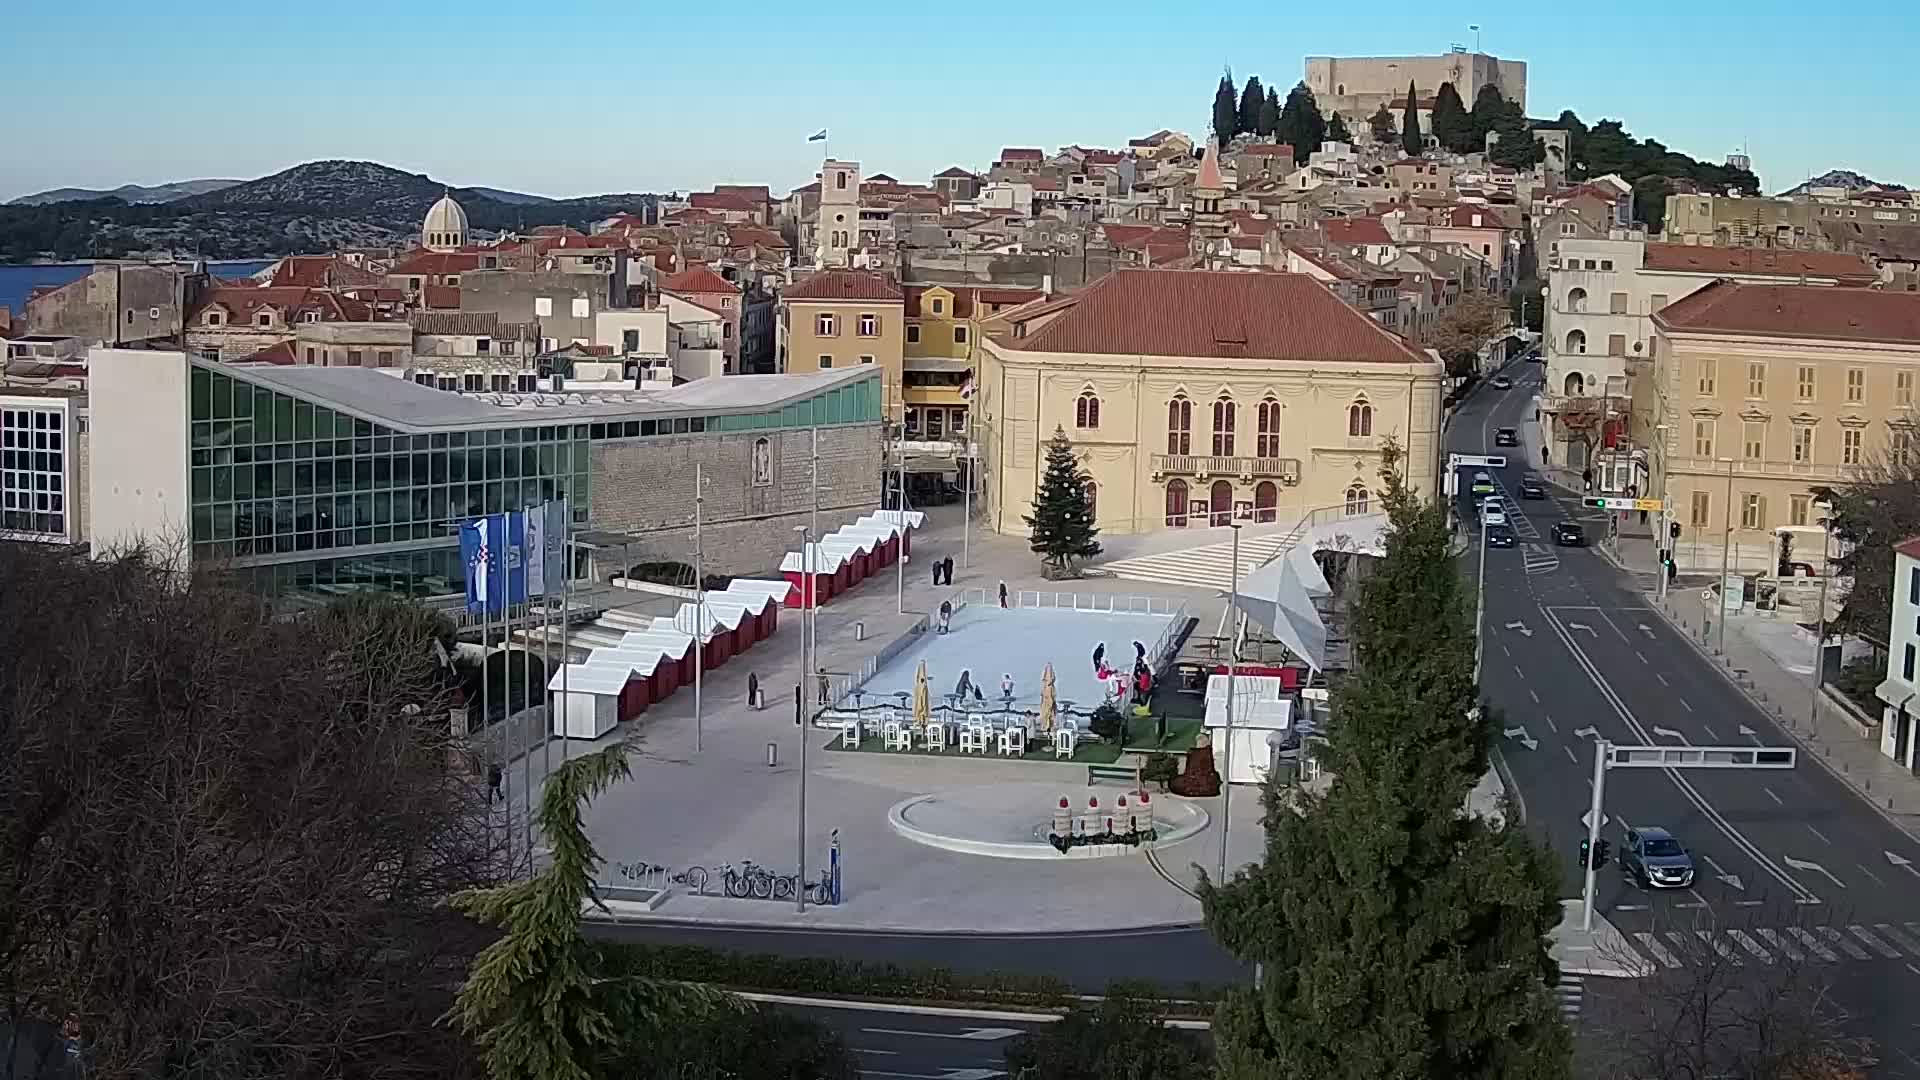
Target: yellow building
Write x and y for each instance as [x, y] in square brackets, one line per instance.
[1755, 394]
[840, 319]
[944, 327]
[1197, 397]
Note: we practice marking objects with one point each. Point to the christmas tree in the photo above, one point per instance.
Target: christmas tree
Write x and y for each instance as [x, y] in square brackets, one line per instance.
[1062, 519]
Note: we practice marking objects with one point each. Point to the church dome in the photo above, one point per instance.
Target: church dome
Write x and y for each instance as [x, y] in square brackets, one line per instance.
[445, 228]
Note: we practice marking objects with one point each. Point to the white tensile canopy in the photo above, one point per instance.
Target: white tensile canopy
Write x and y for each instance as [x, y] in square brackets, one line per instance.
[1280, 594]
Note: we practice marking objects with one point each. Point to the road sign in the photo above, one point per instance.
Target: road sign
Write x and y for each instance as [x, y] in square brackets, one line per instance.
[1484, 461]
[1622, 504]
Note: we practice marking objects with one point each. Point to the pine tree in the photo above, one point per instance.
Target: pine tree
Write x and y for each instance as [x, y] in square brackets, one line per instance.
[1488, 105]
[1410, 139]
[1451, 125]
[1252, 96]
[1337, 130]
[1400, 937]
[1226, 114]
[1301, 125]
[1270, 113]
[1381, 122]
[1062, 518]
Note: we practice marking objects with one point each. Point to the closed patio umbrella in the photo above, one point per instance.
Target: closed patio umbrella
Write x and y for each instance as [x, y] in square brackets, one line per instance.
[922, 706]
[1047, 706]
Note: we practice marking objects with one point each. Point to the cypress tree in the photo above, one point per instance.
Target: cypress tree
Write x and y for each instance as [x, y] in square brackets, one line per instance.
[1301, 125]
[1337, 130]
[1451, 124]
[1252, 96]
[1270, 113]
[1062, 519]
[1410, 139]
[1226, 114]
[1488, 105]
[1401, 938]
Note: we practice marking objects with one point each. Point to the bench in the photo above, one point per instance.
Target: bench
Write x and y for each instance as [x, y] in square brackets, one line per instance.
[1126, 773]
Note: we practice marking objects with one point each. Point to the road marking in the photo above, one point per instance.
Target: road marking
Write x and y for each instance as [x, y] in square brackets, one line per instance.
[1669, 733]
[1629, 907]
[1571, 756]
[1778, 801]
[1781, 945]
[1750, 945]
[949, 1074]
[1748, 903]
[1875, 878]
[1822, 836]
[1555, 728]
[1531, 694]
[1898, 937]
[1662, 678]
[1711, 737]
[1874, 943]
[1813, 944]
[1518, 670]
[1813, 867]
[1641, 655]
[882, 1053]
[971, 1034]
[1715, 944]
[1834, 937]
[1683, 704]
[1691, 904]
[1504, 649]
[1652, 945]
[1801, 893]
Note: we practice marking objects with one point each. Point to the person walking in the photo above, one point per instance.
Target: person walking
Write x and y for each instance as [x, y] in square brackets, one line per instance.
[946, 615]
[948, 563]
[1003, 594]
[494, 776]
[753, 689]
[936, 572]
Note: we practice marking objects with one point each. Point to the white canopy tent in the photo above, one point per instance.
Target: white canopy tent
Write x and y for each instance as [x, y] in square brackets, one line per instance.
[824, 561]
[586, 697]
[1261, 717]
[1280, 594]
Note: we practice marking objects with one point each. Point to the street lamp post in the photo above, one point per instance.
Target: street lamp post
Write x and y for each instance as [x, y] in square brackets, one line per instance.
[1663, 542]
[1820, 623]
[1233, 655]
[1726, 556]
[1480, 605]
[699, 603]
[809, 596]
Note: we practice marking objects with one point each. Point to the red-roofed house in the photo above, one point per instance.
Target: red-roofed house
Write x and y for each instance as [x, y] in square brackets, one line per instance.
[1202, 397]
[701, 285]
[734, 209]
[233, 323]
[1363, 238]
[423, 268]
[945, 324]
[842, 318]
[1021, 159]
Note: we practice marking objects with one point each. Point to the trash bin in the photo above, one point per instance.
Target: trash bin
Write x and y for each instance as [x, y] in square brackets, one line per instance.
[859, 630]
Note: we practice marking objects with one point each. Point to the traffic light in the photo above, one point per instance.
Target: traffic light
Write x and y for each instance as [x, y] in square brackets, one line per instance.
[1594, 503]
[1585, 846]
[1600, 854]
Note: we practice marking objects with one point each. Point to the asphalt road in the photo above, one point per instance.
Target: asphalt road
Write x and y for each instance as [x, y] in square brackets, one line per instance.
[1789, 862]
[913, 1046]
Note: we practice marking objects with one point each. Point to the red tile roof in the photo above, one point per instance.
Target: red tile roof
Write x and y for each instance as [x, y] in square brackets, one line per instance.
[556, 230]
[1819, 312]
[320, 271]
[1268, 149]
[758, 192]
[1473, 217]
[742, 235]
[436, 263]
[1104, 157]
[1909, 547]
[722, 200]
[280, 352]
[956, 172]
[1851, 269]
[1015, 153]
[842, 285]
[698, 279]
[243, 302]
[1352, 232]
[1218, 315]
[441, 297]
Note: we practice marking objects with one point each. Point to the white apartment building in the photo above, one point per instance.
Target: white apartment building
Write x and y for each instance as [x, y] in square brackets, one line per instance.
[1601, 296]
[1900, 727]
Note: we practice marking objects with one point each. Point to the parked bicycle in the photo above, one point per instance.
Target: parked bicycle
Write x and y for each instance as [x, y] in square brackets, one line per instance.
[750, 880]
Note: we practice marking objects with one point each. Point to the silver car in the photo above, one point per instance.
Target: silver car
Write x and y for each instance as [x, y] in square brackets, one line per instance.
[1655, 860]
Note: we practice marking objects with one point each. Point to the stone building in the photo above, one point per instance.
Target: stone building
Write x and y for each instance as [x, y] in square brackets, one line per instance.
[237, 322]
[119, 304]
[1355, 86]
[1198, 398]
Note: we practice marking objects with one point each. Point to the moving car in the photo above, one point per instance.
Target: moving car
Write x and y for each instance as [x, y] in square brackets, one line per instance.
[1501, 382]
[1499, 535]
[1533, 487]
[1569, 534]
[1506, 436]
[1493, 512]
[1482, 484]
[1654, 859]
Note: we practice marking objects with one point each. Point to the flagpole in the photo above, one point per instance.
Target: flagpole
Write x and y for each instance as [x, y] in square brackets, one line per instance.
[546, 643]
[486, 688]
[526, 756]
[700, 600]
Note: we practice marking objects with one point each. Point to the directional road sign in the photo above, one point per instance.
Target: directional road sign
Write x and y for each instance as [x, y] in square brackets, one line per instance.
[1480, 461]
[1598, 503]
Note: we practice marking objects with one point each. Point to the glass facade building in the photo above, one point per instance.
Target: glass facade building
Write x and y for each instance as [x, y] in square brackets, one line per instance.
[305, 496]
[34, 470]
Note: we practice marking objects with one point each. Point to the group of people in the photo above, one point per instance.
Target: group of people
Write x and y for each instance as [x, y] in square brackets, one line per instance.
[1141, 681]
[943, 571]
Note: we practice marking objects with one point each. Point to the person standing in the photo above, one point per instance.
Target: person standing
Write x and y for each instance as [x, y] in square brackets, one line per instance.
[494, 776]
[1003, 594]
[946, 615]
[936, 572]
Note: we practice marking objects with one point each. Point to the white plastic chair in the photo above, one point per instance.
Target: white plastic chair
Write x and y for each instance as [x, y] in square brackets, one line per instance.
[981, 737]
[1063, 739]
[892, 732]
[934, 736]
[850, 734]
[1013, 741]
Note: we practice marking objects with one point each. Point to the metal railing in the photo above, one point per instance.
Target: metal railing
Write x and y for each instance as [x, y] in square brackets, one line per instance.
[1089, 602]
[1287, 469]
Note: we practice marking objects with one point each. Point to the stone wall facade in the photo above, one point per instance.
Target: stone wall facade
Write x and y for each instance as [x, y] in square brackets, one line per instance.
[645, 488]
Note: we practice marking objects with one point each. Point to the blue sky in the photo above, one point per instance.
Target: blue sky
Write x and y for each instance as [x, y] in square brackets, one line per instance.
[564, 98]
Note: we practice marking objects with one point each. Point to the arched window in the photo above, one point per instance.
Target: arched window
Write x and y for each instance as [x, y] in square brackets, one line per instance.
[1576, 341]
[1220, 503]
[1093, 500]
[1575, 385]
[1177, 503]
[1223, 417]
[1267, 443]
[1576, 299]
[1356, 499]
[1086, 410]
[1180, 427]
[1266, 498]
[1360, 418]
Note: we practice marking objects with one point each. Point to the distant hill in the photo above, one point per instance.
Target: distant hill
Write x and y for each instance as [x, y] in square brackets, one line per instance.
[126, 193]
[315, 207]
[1840, 178]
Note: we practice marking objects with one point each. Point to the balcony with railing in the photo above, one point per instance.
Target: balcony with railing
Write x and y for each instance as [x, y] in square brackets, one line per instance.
[1286, 470]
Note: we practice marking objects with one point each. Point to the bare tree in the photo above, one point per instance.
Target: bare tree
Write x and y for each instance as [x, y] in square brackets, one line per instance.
[1709, 1004]
[226, 833]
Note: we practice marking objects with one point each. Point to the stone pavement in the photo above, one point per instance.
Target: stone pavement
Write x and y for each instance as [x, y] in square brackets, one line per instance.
[1829, 736]
[1602, 951]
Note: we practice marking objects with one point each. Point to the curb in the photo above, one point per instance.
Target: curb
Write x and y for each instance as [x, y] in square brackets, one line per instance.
[1002, 1015]
[597, 918]
[1780, 721]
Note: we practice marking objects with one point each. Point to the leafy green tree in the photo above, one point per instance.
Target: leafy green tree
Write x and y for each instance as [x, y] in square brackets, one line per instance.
[1515, 148]
[1411, 140]
[1337, 130]
[1451, 124]
[1252, 97]
[1874, 510]
[1226, 114]
[1381, 123]
[1062, 519]
[1301, 124]
[1400, 937]
[1270, 113]
[1650, 201]
[1123, 1036]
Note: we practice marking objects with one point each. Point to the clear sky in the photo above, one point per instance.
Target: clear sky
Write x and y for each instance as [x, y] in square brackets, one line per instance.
[571, 98]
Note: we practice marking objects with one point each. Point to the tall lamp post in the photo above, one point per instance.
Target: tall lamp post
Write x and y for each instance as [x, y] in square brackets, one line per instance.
[1233, 654]
[1480, 605]
[1726, 555]
[1820, 623]
[809, 597]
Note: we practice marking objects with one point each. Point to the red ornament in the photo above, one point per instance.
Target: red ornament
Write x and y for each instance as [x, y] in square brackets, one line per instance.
[1144, 797]
[1063, 802]
[1093, 801]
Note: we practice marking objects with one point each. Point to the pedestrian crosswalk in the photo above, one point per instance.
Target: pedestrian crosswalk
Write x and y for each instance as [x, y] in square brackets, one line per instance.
[1571, 991]
[1763, 945]
[1209, 566]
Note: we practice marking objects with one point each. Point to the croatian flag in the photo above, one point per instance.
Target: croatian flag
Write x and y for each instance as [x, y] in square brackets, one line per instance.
[476, 552]
[818, 136]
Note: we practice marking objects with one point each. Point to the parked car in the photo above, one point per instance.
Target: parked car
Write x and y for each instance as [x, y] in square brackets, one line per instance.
[1655, 860]
[1499, 535]
[1501, 382]
[1506, 436]
[1493, 512]
[1533, 487]
[1569, 534]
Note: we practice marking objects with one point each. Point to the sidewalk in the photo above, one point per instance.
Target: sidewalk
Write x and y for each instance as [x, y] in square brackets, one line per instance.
[1828, 735]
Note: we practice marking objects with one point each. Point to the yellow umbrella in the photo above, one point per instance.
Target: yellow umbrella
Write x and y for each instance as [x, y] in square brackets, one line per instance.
[922, 706]
[1046, 700]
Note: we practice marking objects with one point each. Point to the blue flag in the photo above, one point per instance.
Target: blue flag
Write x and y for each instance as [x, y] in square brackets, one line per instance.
[478, 555]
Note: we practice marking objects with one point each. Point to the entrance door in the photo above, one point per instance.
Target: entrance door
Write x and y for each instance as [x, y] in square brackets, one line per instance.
[1220, 503]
